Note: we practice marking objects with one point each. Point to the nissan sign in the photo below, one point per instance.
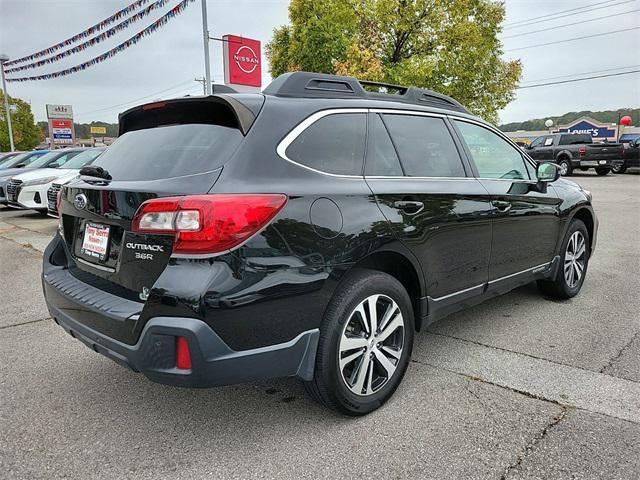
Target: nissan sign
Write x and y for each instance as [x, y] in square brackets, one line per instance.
[242, 63]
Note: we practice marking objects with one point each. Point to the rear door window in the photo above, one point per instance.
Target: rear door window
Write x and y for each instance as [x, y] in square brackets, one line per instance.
[424, 145]
[333, 144]
[382, 159]
[169, 151]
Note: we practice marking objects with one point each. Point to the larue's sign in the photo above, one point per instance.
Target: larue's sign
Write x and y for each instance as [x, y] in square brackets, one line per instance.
[61, 131]
[242, 63]
[592, 127]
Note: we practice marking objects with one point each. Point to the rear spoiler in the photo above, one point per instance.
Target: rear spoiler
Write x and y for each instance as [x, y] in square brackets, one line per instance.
[237, 111]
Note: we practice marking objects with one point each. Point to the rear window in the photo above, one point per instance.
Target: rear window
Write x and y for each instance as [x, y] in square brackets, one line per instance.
[169, 151]
[575, 138]
[425, 146]
[333, 144]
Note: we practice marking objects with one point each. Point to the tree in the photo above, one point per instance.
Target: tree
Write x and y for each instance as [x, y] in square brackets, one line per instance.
[26, 135]
[450, 47]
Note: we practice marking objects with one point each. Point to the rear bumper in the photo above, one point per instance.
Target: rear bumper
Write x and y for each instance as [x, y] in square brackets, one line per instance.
[213, 362]
[607, 163]
[78, 307]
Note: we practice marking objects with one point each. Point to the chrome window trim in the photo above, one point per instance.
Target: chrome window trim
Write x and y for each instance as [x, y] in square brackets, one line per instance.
[282, 146]
[281, 149]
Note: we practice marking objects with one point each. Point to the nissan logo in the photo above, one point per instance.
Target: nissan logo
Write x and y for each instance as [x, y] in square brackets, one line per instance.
[80, 201]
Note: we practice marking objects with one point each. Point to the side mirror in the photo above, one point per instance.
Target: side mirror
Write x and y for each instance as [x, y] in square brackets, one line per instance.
[20, 165]
[547, 172]
[54, 165]
[528, 146]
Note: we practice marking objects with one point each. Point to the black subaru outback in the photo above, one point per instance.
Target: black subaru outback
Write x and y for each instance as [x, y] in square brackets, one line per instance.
[306, 231]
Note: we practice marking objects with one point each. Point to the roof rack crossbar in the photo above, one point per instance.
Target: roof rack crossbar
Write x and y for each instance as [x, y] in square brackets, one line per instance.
[322, 85]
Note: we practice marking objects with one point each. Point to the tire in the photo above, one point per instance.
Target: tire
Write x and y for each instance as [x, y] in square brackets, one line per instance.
[619, 169]
[602, 171]
[565, 167]
[334, 385]
[563, 287]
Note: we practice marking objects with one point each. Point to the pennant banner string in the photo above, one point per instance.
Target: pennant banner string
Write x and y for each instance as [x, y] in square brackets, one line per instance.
[84, 34]
[114, 51]
[93, 41]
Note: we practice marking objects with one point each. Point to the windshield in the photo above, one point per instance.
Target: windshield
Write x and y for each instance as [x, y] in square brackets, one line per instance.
[170, 151]
[45, 159]
[82, 159]
[5, 160]
[25, 158]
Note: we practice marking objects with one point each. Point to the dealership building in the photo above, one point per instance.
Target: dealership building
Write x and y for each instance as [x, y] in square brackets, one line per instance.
[600, 132]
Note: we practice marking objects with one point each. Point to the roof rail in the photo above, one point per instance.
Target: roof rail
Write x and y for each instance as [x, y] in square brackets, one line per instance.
[322, 85]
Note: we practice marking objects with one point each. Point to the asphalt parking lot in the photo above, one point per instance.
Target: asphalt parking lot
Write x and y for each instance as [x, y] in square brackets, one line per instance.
[519, 387]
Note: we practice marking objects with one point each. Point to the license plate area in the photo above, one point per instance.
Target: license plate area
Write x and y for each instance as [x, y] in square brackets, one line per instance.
[95, 241]
[589, 163]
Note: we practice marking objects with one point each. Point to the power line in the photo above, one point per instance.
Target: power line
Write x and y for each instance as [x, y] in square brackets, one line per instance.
[581, 73]
[573, 39]
[135, 99]
[544, 18]
[578, 79]
[570, 24]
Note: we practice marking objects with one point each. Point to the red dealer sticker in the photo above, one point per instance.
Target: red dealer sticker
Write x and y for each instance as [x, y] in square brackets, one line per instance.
[243, 63]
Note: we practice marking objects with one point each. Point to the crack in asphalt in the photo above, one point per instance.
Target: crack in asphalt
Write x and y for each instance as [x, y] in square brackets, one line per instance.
[620, 353]
[24, 323]
[28, 246]
[502, 349]
[535, 441]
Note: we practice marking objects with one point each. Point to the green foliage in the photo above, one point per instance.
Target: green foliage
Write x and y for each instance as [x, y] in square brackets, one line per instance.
[26, 134]
[83, 130]
[606, 116]
[450, 47]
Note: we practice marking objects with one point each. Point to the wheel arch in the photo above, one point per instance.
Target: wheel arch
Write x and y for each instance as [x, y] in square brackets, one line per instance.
[406, 271]
[588, 219]
[562, 154]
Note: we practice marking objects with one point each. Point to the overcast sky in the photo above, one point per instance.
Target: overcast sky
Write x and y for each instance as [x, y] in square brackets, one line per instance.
[166, 63]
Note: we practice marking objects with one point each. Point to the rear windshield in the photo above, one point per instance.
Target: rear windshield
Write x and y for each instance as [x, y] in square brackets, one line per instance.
[575, 138]
[169, 151]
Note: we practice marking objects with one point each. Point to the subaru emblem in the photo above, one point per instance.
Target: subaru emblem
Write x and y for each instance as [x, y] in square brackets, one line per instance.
[80, 201]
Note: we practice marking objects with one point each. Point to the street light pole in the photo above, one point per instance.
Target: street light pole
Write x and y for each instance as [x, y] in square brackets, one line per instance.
[3, 59]
[205, 34]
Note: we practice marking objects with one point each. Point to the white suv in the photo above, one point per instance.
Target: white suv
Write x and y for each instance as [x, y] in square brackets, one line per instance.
[29, 190]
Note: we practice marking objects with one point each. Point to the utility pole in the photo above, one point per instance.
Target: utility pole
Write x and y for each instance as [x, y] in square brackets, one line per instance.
[204, 84]
[205, 35]
[3, 59]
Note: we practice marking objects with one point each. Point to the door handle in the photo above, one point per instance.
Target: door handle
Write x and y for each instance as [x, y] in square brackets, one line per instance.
[410, 207]
[501, 205]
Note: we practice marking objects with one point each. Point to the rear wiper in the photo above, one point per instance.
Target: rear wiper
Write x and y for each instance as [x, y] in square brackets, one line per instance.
[97, 172]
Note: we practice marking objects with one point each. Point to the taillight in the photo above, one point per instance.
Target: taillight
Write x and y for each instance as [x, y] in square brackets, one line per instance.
[207, 223]
[582, 151]
[183, 355]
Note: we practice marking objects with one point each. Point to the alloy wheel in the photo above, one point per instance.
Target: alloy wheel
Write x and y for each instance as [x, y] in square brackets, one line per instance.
[564, 168]
[371, 345]
[575, 259]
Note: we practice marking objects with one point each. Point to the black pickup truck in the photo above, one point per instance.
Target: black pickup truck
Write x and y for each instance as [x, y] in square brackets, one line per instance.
[576, 150]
